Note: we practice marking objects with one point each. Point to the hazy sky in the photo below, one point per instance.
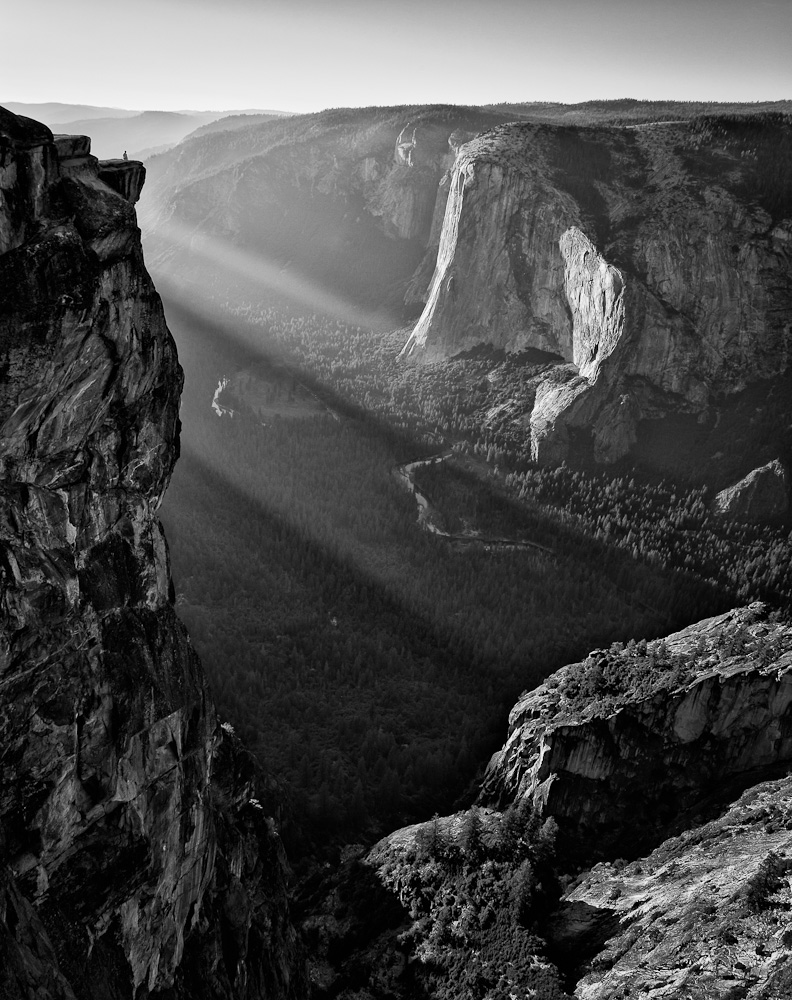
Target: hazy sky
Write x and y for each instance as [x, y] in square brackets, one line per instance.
[303, 55]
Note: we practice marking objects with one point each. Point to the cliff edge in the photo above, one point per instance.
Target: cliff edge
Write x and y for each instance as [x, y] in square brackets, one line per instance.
[134, 857]
[624, 745]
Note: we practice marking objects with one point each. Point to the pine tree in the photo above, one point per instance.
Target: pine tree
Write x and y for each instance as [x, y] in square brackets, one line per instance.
[523, 892]
[471, 840]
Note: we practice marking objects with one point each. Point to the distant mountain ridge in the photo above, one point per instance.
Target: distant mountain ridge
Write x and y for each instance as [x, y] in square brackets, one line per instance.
[55, 111]
[630, 109]
[115, 130]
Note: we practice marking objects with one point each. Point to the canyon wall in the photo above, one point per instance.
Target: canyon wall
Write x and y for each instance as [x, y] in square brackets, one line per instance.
[651, 262]
[655, 259]
[346, 201]
[135, 857]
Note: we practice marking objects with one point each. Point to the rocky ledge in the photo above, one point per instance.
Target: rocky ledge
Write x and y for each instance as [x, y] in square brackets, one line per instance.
[135, 859]
[642, 748]
[705, 915]
[634, 739]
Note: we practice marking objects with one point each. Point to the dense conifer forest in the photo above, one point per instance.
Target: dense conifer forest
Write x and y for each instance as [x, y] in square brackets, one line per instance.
[371, 664]
[475, 892]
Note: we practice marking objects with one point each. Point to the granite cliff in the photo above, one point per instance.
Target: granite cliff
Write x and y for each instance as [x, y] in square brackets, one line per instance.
[346, 201]
[650, 261]
[653, 260]
[135, 858]
[621, 746]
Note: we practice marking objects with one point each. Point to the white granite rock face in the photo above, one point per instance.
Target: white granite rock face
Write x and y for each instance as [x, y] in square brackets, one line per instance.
[595, 293]
[700, 916]
[490, 285]
[697, 306]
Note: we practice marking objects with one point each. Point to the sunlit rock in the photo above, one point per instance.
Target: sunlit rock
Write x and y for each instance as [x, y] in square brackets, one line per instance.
[705, 914]
[620, 251]
[762, 495]
[614, 761]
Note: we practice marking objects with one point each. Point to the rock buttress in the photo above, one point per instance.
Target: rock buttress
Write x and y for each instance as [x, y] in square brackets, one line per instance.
[135, 858]
[618, 747]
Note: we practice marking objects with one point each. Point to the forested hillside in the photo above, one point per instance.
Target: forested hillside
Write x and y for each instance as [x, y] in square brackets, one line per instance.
[632, 111]
[370, 663]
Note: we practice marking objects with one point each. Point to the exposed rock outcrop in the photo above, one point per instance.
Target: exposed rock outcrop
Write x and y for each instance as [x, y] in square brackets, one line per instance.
[124, 176]
[628, 254]
[485, 228]
[705, 915]
[618, 747]
[763, 495]
[135, 859]
[617, 750]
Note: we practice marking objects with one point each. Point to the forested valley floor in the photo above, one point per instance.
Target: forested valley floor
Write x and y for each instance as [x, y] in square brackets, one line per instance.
[370, 664]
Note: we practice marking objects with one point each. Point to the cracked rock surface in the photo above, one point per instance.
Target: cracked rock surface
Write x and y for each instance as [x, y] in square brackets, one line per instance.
[706, 915]
[134, 857]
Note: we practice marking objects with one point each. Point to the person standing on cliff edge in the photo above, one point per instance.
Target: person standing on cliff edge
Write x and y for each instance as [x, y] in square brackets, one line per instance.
[125, 155]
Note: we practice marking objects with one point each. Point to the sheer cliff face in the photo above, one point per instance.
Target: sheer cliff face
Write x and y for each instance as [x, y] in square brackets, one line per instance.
[347, 200]
[656, 259]
[487, 237]
[711, 713]
[133, 855]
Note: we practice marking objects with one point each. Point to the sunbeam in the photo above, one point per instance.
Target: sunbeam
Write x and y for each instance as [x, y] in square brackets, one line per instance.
[178, 249]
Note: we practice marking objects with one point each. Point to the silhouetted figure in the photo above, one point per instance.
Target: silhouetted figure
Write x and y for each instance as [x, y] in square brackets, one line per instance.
[125, 156]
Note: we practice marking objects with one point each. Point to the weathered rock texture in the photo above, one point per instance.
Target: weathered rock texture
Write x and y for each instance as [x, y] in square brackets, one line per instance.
[134, 858]
[702, 916]
[655, 259]
[710, 709]
[763, 495]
